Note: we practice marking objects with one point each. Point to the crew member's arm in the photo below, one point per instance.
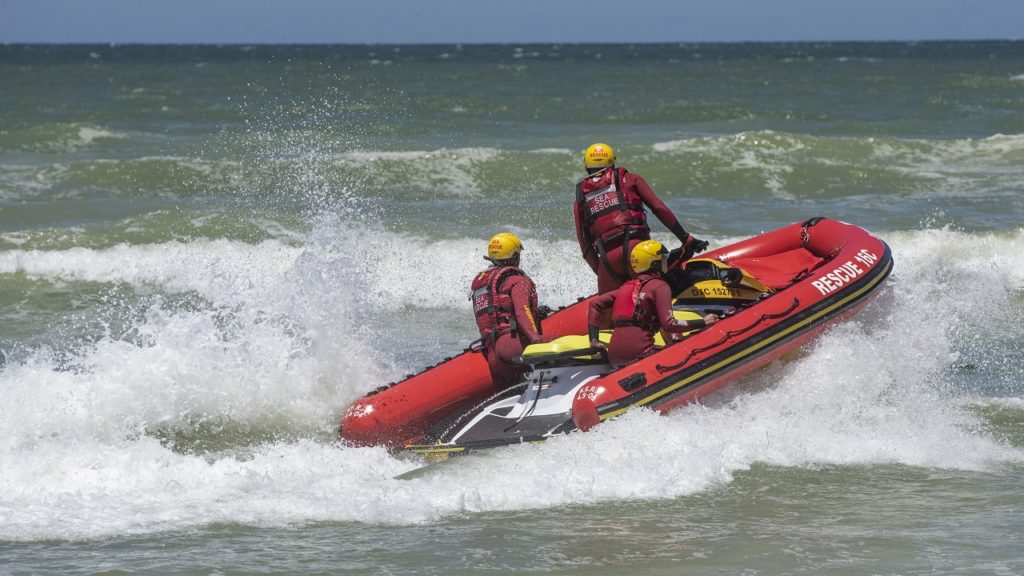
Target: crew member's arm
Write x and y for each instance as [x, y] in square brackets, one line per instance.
[662, 295]
[519, 290]
[660, 210]
[597, 307]
[663, 212]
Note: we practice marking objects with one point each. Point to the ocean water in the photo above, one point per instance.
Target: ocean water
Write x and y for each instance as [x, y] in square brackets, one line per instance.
[207, 253]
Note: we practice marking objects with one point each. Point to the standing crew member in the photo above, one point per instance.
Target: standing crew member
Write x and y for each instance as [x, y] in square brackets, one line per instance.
[611, 220]
[505, 304]
[640, 308]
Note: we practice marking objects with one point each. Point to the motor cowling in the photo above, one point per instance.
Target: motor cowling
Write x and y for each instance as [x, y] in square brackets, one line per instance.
[708, 281]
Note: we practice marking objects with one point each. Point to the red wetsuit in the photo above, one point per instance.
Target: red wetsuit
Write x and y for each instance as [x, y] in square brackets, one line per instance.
[511, 325]
[613, 269]
[640, 308]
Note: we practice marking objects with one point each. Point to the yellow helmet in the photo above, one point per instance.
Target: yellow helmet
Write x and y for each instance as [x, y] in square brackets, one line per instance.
[503, 246]
[599, 156]
[646, 256]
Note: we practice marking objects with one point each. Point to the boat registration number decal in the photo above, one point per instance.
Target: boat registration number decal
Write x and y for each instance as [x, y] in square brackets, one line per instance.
[716, 291]
[589, 392]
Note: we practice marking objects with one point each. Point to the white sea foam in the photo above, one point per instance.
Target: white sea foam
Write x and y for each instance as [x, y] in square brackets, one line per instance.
[932, 168]
[59, 181]
[182, 369]
[1013, 403]
[765, 153]
[78, 459]
[447, 172]
[19, 182]
[554, 151]
[66, 137]
[282, 336]
[218, 269]
[955, 168]
[235, 272]
[89, 134]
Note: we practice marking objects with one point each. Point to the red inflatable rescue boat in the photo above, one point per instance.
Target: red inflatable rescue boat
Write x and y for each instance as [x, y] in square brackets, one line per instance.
[773, 292]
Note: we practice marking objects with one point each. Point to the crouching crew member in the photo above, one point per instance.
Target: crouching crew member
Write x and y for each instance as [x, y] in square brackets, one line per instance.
[640, 308]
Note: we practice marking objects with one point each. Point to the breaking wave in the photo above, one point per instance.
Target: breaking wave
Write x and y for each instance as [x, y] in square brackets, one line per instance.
[222, 406]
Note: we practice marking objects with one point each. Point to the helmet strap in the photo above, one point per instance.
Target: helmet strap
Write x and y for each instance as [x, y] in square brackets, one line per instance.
[513, 261]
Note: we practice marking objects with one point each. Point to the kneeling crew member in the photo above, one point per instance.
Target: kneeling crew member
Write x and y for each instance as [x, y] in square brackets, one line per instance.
[505, 304]
[641, 307]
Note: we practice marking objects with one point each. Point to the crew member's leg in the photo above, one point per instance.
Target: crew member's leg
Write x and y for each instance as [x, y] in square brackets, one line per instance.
[505, 372]
[614, 270]
[628, 344]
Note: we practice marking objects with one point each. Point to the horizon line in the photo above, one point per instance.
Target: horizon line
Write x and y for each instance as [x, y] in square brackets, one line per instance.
[509, 43]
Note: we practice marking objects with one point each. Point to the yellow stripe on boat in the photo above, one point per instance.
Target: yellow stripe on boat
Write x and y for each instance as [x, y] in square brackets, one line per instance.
[732, 359]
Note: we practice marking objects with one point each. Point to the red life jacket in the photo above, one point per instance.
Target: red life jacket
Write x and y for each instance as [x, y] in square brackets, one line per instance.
[608, 209]
[493, 308]
[630, 309]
